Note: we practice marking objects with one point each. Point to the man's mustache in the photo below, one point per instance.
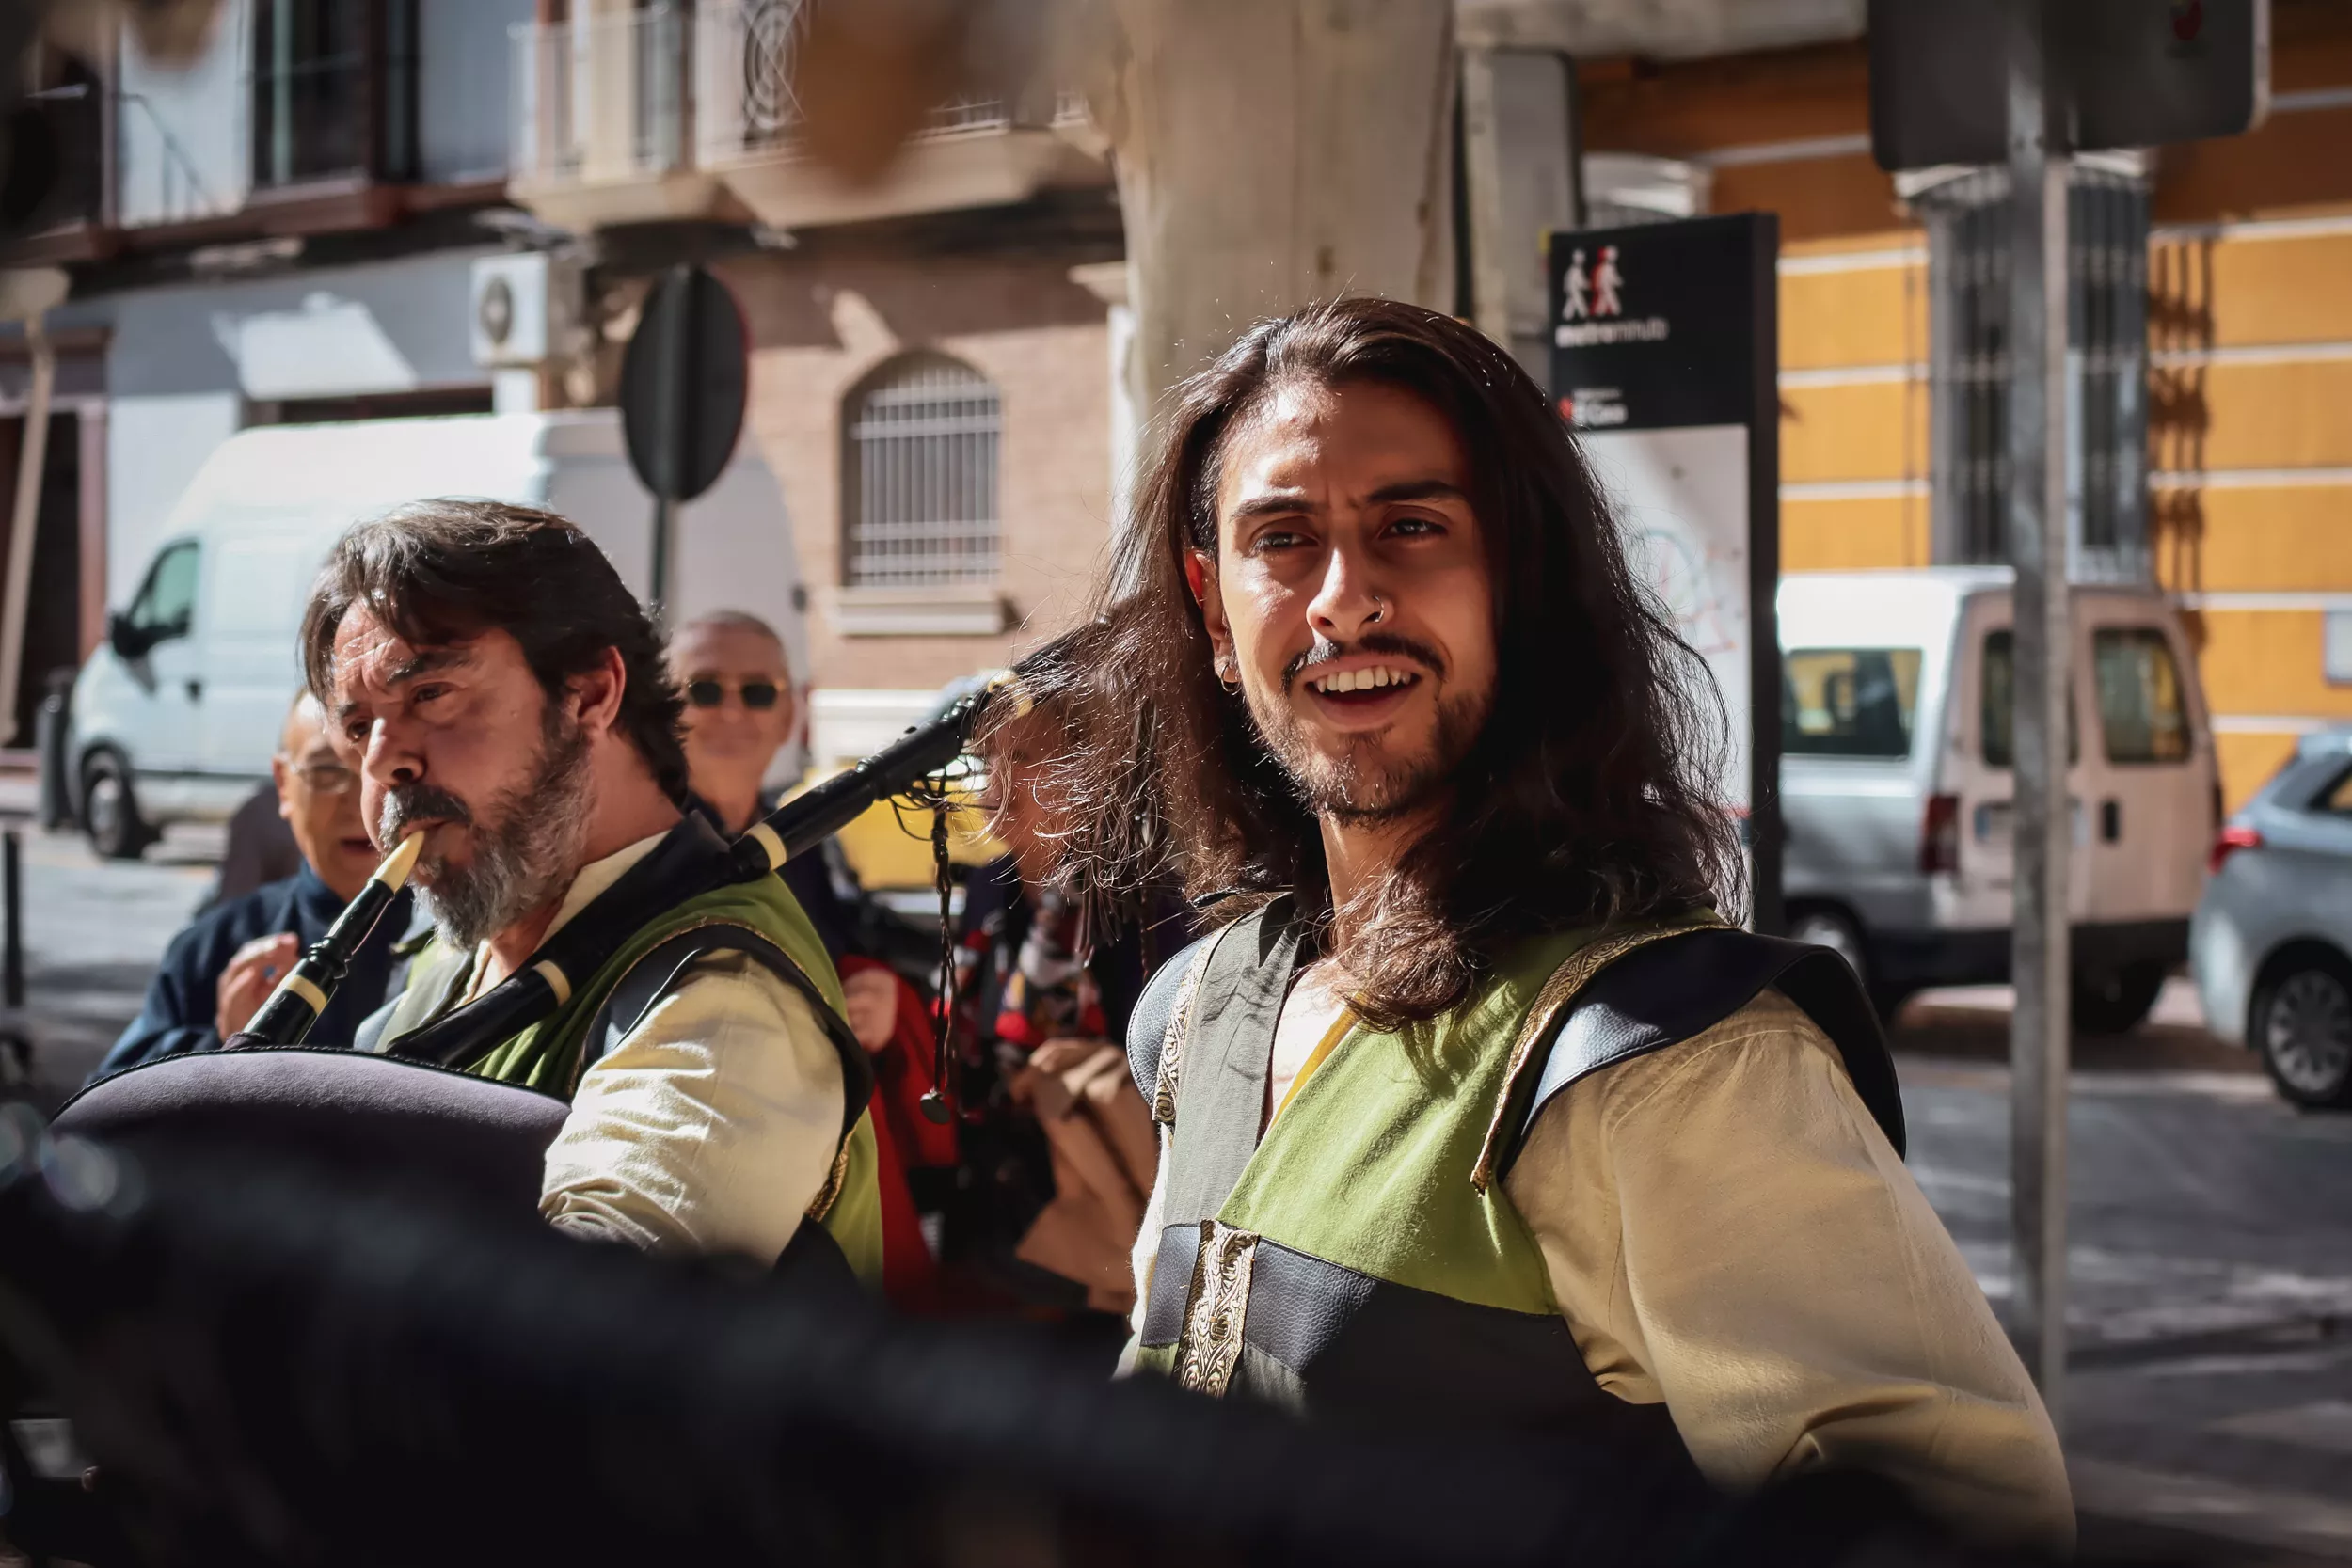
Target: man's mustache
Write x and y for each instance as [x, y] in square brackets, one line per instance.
[407, 803]
[1324, 650]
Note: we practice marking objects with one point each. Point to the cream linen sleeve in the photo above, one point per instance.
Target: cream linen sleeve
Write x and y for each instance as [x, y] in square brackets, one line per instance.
[711, 1127]
[1726, 1230]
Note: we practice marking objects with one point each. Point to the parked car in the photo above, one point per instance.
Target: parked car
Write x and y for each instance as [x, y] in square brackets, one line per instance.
[1895, 783]
[2271, 945]
[174, 716]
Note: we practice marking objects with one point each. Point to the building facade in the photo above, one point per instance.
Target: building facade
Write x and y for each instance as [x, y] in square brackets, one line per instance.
[283, 231]
[2223, 472]
[929, 351]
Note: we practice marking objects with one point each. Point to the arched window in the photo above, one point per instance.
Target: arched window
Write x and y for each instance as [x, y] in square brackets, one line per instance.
[919, 490]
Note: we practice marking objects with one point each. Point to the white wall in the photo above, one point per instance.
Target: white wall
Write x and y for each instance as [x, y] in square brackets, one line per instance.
[184, 138]
[464, 75]
[183, 362]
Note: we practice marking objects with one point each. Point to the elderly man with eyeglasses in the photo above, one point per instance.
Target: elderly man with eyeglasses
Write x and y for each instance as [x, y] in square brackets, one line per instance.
[216, 972]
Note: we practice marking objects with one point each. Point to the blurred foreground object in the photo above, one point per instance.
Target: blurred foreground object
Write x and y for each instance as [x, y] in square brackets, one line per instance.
[168, 32]
[266, 1365]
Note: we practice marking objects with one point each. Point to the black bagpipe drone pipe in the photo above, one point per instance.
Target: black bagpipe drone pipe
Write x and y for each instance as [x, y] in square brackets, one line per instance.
[269, 1366]
[543, 985]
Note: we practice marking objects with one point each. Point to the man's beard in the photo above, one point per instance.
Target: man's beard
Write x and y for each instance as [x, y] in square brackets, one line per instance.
[1359, 786]
[525, 845]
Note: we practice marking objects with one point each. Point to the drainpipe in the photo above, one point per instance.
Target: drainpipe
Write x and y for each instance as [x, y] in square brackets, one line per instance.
[29, 295]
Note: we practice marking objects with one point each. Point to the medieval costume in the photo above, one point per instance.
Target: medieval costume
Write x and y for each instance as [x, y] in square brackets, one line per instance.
[1643, 1182]
[717, 1097]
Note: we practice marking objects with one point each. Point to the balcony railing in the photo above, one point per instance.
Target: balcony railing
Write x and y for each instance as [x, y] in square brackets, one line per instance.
[600, 99]
[628, 96]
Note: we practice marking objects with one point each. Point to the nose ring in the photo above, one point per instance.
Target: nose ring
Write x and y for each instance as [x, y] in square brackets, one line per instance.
[1379, 611]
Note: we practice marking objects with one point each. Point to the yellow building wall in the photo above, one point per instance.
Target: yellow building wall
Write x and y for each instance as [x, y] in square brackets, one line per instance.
[2266, 661]
[2248, 760]
[2271, 539]
[1873, 431]
[1854, 534]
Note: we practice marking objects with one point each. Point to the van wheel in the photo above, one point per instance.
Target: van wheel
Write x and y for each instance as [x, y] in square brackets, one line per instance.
[2302, 1024]
[110, 811]
[2115, 1000]
[1837, 931]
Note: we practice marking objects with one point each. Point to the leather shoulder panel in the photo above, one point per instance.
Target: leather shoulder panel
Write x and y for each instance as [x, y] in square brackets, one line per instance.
[1155, 1013]
[661, 971]
[1670, 990]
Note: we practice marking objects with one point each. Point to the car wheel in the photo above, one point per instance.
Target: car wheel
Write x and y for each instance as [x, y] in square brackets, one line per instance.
[1836, 930]
[110, 812]
[2115, 1000]
[2302, 1025]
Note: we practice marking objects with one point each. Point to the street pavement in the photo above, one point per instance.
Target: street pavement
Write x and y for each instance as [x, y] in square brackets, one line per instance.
[2208, 1413]
[2209, 1270]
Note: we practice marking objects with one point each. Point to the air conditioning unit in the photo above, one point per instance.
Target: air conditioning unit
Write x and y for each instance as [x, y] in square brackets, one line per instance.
[520, 307]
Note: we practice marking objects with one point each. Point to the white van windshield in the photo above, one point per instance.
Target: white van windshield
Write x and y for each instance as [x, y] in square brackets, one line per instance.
[1847, 701]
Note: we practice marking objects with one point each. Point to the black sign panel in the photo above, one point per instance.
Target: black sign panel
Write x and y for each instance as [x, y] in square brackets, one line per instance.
[683, 385]
[1655, 326]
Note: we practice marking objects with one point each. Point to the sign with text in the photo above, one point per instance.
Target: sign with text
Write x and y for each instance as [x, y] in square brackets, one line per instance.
[1664, 357]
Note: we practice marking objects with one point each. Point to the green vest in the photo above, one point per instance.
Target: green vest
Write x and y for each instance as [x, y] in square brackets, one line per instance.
[1369, 1203]
[550, 1055]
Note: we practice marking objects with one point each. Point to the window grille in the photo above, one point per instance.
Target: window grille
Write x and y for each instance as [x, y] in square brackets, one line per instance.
[922, 477]
[2104, 439]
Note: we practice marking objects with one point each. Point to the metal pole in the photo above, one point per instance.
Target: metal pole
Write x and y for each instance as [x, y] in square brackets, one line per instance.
[12, 913]
[24, 522]
[1767, 831]
[659, 598]
[2042, 834]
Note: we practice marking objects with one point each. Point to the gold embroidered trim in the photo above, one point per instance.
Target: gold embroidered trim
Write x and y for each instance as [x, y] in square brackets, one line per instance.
[1575, 973]
[1215, 1309]
[1179, 1026]
[835, 1178]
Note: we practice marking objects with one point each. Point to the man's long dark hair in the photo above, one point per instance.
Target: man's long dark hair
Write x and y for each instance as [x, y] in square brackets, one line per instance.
[442, 571]
[1589, 796]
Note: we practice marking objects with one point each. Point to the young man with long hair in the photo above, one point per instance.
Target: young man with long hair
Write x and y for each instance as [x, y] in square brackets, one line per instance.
[1476, 1108]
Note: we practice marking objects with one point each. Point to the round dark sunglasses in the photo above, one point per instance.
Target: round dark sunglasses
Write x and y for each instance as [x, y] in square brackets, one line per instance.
[757, 696]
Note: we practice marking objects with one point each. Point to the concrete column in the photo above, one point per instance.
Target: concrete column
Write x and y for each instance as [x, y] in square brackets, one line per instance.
[1271, 153]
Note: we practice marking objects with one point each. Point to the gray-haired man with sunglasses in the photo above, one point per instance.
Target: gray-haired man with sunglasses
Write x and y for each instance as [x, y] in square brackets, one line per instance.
[217, 972]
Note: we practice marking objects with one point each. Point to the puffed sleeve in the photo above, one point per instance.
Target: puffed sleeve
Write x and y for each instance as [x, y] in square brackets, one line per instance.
[712, 1127]
[1726, 1230]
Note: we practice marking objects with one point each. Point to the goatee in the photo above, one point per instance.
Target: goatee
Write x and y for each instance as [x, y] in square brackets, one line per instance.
[1363, 786]
[526, 844]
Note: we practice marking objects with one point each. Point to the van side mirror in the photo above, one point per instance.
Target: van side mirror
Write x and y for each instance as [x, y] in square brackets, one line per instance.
[127, 640]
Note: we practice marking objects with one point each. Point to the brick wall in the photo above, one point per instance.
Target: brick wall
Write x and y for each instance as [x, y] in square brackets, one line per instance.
[818, 327]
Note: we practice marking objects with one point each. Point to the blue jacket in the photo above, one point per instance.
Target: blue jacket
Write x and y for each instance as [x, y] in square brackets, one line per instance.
[182, 998]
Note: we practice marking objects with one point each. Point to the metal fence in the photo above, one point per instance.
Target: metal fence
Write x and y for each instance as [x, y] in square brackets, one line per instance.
[707, 81]
[2105, 440]
[920, 477]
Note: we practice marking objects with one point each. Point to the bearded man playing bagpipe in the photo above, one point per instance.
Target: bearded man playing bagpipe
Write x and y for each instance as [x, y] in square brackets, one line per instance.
[1476, 1111]
[505, 695]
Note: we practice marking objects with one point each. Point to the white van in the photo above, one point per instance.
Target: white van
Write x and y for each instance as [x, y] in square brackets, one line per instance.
[1895, 783]
[176, 713]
